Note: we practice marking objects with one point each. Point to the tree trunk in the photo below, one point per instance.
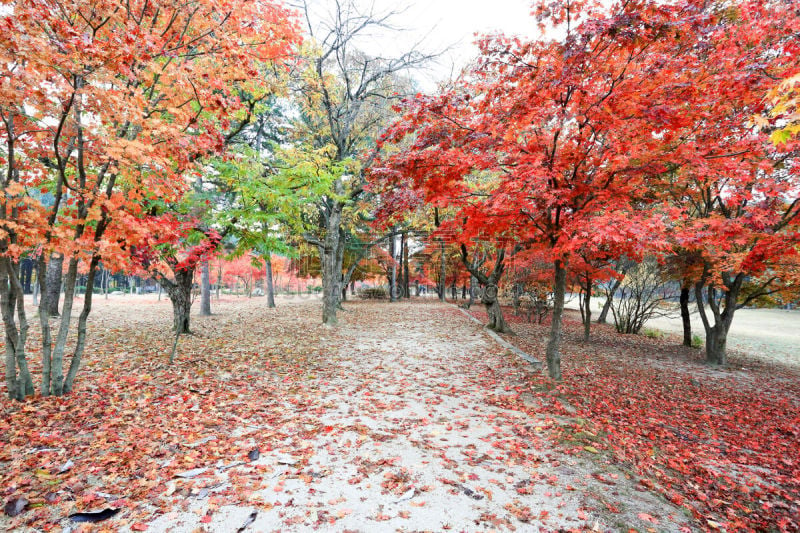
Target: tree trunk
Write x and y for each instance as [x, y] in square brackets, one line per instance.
[7, 306]
[44, 323]
[26, 275]
[331, 255]
[442, 273]
[587, 317]
[18, 384]
[553, 353]
[219, 279]
[57, 358]
[406, 291]
[686, 317]
[80, 343]
[609, 300]
[53, 283]
[205, 290]
[180, 294]
[473, 283]
[496, 321]
[717, 332]
[393, 273]
[269, 282]
[35, 289]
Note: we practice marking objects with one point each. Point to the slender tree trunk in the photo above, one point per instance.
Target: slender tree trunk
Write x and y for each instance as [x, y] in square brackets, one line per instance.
[205, 290]
[686, 316]
[26, 275]
[609, 300]
[53, 277]
[35, 289]
[18, 378]
[393, 272]
[269, 282]
[553, 353]
[80, 343]
[13, 385]
[44, 323]
[406, 290]
[587, 311]
[442, 272]
[219, 279]
[57, 365]
[473, 283]
[22, 359]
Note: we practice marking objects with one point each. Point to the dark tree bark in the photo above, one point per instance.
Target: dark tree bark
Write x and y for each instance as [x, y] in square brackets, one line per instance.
[180, 294]
[490, 292]
[473, 286]
[686, 316]
[441, 287]
[406, 290]
[205, 290]
[331, 257]
[586, 309]
[53, 283]
[269, 282]
[553, 352]
[393, 272]
[26, 275]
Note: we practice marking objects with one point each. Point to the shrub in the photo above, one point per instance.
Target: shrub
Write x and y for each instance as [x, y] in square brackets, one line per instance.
[652, 333]
[697, 341]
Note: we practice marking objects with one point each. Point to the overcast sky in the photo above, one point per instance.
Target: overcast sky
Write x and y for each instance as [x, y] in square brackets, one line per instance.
[439, 25]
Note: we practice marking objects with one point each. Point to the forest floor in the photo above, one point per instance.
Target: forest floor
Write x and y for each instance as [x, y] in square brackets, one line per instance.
[407, 417]
[721, 442]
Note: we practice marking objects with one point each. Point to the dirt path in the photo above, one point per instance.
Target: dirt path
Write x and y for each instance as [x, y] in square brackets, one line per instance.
[421, 430]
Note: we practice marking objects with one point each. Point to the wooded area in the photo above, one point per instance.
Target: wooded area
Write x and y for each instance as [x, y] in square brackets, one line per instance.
[642, 153]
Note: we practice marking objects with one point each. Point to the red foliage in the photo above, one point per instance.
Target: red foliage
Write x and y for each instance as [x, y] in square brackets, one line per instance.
[721, 443]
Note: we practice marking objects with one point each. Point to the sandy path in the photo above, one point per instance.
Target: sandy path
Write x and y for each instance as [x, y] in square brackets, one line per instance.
[420, 433]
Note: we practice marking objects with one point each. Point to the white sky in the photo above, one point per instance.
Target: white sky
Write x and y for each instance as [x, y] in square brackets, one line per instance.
[439, 25]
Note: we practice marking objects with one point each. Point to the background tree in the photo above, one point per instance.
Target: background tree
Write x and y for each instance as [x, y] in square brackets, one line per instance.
[346, 96]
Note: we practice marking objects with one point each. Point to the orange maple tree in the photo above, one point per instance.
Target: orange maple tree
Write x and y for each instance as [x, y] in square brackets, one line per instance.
[105, 106]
